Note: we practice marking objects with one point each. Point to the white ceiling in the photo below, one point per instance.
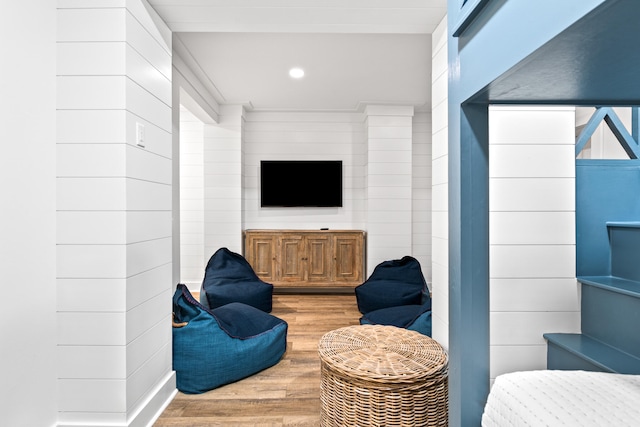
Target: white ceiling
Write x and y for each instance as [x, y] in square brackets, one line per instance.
[352, 51]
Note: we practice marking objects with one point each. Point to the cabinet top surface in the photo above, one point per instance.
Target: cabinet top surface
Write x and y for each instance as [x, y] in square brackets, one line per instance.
[303, 231]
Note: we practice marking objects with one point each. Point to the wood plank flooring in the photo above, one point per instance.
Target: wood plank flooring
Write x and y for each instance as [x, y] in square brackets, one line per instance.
[287, 394]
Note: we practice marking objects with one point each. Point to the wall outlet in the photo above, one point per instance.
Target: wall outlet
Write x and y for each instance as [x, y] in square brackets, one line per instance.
[140, 136]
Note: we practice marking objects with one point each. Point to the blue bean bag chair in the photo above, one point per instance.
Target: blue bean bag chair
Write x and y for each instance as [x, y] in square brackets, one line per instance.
[413, 317]
[392, 283]
[220, 346]
[396, 294]
[228, 278]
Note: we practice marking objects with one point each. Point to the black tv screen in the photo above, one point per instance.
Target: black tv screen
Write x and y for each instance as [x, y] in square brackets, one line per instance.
[301, 183]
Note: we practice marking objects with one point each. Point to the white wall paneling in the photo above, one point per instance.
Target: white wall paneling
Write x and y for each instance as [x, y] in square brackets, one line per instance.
[532, 233]
[305, 136]
[27, 218]
[389, 182]
[439, 186]
[114, 251]
[513, 130]
[512, 358]
[223, 190]
[421, 192]
[231, 157]
[192, 256]
[532, 294]
[176, 213]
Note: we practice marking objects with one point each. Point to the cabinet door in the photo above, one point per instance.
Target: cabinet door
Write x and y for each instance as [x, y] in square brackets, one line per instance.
[260, 252]
[292, 259]
[318, 258]
[348, 258]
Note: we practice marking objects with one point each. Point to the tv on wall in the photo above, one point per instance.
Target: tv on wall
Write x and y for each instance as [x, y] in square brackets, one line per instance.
[301, 183]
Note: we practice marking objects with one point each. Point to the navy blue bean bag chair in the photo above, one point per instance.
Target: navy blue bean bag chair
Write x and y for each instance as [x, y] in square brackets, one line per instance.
[228, 278]
[396, 294]
[413, 317]
[220, 346]
[391, 284]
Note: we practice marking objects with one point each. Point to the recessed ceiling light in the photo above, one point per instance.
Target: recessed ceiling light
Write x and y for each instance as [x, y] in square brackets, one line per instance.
[296, 73]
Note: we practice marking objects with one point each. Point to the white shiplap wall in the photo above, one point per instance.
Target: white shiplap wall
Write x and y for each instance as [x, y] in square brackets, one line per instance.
[532, 233]
[114, 213]
[192, 257]
[305, 136]
[440, 186]
[28, 394]
[223, 182]
[233, 150]
[421, 192]
[389, 182]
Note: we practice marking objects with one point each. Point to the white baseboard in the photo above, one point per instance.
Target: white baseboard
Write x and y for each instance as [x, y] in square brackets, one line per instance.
[156, 403]
[145, 415]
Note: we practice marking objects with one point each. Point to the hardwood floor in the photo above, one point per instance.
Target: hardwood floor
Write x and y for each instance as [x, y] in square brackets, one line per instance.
[287, 394]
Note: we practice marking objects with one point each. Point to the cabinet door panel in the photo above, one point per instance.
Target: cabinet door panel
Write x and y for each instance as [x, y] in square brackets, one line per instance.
[291, 250]
[260, 253]
[348, 259]
[318, 258]
[263, 258]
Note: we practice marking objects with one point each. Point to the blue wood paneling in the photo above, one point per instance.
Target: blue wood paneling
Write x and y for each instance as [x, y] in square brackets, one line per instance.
[605, 191]
[612, 317]
[625, 249]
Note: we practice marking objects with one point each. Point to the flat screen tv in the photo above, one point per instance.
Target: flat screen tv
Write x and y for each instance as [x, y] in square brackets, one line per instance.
[301, 183]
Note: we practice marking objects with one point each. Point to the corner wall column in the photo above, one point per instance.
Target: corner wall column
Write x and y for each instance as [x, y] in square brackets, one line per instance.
[223, 181]
[389, 177]
[114, 209]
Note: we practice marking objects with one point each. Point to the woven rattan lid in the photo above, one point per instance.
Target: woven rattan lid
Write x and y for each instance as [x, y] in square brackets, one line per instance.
[385, 354]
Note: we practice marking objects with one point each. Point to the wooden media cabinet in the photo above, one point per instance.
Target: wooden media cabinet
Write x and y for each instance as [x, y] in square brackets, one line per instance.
[307, 260]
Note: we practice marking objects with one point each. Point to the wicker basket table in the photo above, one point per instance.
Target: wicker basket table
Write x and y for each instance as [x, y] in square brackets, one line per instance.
[374, 375]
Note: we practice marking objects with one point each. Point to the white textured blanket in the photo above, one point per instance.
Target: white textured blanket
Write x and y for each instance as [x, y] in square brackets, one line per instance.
[563, 398]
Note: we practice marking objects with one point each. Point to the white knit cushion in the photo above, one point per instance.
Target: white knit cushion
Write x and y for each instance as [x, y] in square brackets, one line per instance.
[563, 398]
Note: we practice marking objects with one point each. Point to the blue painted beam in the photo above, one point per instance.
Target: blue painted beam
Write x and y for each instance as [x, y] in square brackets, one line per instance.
[469, 266]
[470, 10]
[608, 115]
[622, 135]
[593, 62]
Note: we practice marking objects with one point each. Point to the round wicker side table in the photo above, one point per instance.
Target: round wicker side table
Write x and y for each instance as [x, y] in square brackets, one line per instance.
[374, 375]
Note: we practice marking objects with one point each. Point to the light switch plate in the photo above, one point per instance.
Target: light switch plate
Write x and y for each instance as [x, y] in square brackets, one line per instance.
[140, 136]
